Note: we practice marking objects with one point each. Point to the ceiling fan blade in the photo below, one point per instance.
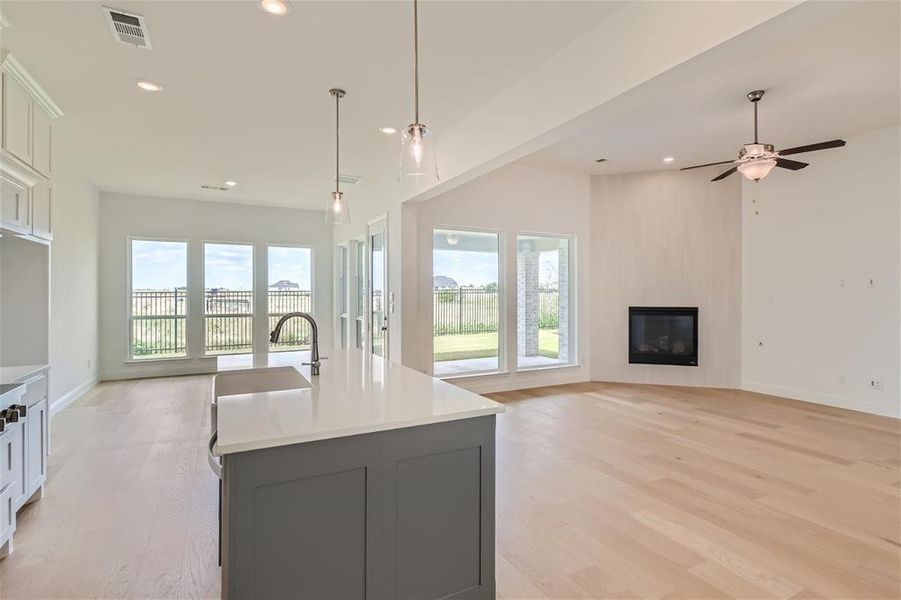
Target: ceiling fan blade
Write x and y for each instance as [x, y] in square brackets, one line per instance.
[812, 147]
[722, 162]
[794, 165]
[726, 174]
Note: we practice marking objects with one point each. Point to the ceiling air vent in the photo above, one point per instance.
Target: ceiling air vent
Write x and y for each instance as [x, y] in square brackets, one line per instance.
[128, 28]
[217, 188]
[345, 178]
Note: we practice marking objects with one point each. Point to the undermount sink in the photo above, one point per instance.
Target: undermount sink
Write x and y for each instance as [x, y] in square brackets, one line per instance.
[251, 381]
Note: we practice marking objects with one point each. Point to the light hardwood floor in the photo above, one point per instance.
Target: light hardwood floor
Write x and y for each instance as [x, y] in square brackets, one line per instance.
[604, 491]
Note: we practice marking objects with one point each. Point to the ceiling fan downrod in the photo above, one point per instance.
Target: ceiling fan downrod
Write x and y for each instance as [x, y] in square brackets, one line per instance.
[755, 97]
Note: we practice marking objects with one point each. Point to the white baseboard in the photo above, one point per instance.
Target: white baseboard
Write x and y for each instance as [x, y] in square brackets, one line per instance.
[145, 371]
[71, 396]
[873, 408]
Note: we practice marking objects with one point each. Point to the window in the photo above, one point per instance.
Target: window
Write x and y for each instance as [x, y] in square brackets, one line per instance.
[290, 290]
[360, 304]
[466, 301]
[228, 298]
[343, 312]
[544, 300]
[159, 299]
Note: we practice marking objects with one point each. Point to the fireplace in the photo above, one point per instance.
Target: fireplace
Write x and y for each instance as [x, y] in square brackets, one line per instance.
[661, 335]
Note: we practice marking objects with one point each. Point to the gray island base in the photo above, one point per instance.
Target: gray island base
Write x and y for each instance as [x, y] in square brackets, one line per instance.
[401, 513]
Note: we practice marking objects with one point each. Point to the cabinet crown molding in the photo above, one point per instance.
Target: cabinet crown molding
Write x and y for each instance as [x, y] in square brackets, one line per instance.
[17, 71]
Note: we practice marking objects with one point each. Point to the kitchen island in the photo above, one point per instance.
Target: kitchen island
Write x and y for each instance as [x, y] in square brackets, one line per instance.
[370, 480]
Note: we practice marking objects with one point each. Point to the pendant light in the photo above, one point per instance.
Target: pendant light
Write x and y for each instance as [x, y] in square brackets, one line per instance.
[337, 213]
[417, 154]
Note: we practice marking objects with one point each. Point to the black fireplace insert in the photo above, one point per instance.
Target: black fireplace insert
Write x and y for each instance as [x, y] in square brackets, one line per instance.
[663, 335]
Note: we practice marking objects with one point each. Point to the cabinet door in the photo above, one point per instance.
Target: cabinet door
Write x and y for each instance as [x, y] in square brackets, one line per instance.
[41, 210]
[7, 515]
[41, 156]
[13, 459]
[14, 213]
[17, 105]
[36, 447]
[302, 521]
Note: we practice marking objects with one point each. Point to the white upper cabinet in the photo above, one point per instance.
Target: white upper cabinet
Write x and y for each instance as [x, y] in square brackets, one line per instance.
[15, 213]
[17, 111]
[42, 139]
[26, 151]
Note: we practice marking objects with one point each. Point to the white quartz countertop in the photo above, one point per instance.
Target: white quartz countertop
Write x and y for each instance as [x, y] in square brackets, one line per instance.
[20, 372]
[355, 393]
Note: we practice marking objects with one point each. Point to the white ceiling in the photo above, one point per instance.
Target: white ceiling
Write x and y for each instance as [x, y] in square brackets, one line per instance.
[835, 78]
[246, 93]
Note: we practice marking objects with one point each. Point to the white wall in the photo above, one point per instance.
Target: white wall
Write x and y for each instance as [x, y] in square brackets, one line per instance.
[516, 198]
[813, 328]
[123, 216]
[666, 238]
[64, 275]
[74, 280]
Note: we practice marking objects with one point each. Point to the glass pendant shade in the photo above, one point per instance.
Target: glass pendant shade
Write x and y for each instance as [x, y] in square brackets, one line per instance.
[757, 169]
[417, 153]
[337, 213]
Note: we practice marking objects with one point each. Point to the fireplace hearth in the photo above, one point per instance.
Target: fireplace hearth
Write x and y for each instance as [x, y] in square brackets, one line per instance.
[661, 335]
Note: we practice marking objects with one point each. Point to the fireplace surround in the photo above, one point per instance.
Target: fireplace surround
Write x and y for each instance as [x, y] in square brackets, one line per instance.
[663, 335]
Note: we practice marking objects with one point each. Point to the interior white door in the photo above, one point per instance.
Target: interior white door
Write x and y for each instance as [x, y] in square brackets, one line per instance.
[378, 287]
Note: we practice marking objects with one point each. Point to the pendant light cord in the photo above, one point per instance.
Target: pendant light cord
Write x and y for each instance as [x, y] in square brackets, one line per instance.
[337, 144]
[416, 57]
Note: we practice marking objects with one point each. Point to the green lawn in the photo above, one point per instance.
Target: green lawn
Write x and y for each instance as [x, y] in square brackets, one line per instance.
[484, 345]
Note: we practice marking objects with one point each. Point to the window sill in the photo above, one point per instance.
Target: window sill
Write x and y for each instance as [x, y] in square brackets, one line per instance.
[140, 361]
[549, 367]
[468, 375]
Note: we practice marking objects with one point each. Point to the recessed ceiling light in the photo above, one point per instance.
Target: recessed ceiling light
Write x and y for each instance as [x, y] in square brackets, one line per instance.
[274, 7]
[231, 183]
[148, 86]
[668, 159]
[388, 130]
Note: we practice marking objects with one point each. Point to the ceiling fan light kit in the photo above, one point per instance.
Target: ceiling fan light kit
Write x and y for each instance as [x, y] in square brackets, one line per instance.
[755, 161]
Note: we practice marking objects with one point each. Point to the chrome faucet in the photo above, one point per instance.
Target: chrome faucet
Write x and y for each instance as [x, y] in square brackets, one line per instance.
[314, 350]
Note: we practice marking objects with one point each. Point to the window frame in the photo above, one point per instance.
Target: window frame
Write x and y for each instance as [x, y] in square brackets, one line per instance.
[253, 312]
[502, 350]
[342, 271]
[129, 316]
[266, 315]
[572, 307]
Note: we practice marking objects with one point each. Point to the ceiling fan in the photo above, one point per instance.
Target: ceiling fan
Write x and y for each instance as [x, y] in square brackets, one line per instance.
[756, 160]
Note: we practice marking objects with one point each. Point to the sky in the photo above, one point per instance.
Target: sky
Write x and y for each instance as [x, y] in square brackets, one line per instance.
[163, 265]
[480, 268]
[466, 268]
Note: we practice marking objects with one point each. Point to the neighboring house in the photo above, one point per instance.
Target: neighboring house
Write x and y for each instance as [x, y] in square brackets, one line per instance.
[283, 284]
[440, 281]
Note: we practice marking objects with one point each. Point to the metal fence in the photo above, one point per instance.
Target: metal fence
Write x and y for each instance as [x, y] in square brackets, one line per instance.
[465, 310]
[159, 321]
[159, 318]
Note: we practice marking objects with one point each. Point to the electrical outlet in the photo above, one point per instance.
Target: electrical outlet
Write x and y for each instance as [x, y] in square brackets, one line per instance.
[875, 383]
[842, 380]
